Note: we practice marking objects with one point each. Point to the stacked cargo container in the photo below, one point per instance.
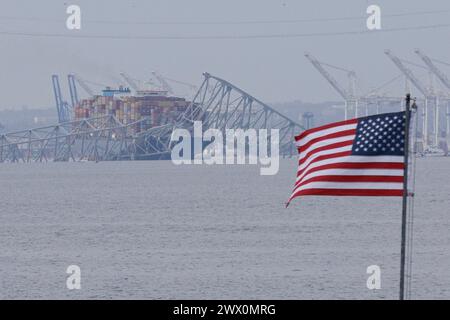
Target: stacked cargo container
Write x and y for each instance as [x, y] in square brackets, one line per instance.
[153, 110]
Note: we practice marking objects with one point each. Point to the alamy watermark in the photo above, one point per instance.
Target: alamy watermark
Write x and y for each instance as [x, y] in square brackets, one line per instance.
[74, 279]
[374, 280]
[374, 20]
[73, 21]
[233, 146]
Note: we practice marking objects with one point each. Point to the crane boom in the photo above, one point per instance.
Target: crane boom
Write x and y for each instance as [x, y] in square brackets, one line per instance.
[130, 81]
[57, 94]
[62, 107]
[72, 90]
[190, 85]
[163, 82]
[435, 70]
[316, 63]
[408, 73]
[83, 85]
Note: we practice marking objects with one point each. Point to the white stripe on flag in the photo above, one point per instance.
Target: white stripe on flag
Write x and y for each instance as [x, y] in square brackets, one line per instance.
[324, 132]
[351, 185]
[323, 153]
[326, 142]
[352, 159]
[355, 172]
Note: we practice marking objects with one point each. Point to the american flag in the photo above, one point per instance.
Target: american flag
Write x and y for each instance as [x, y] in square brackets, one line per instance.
[357, 157]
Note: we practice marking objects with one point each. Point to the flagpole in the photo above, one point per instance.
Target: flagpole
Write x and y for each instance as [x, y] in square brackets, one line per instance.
[405, 197]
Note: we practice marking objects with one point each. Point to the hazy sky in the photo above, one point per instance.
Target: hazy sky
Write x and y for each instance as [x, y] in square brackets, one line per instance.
[272, 69]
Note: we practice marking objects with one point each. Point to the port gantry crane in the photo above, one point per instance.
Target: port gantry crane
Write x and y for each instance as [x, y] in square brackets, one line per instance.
[72, 90]
[444, 80]
[374, 97]
[164, 84]
[429, 95]
[355, 103]
[130, 81]
[349, 95]
[62, 107]
[83, 85]
[191, 86]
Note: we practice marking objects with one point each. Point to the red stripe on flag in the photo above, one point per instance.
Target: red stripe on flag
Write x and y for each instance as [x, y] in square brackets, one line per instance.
[351, 178]
[344, 133]
[357, 165]
[328, 147]
[326, 157]
[327, 126]
[348, 192]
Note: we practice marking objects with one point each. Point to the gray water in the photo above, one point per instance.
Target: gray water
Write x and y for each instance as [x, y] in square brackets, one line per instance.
[153, 230]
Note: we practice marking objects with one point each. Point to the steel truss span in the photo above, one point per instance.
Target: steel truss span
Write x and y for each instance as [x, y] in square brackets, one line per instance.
[102, 138]
[221, 105]
[218, 104]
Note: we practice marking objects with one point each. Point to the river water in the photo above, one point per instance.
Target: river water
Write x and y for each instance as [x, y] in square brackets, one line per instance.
[153, 230]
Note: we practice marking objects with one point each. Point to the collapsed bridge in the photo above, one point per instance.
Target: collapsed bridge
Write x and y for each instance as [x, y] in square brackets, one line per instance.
[218, 104]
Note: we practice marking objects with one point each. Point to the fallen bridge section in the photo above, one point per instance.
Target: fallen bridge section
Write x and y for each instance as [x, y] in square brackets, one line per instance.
[218, 104]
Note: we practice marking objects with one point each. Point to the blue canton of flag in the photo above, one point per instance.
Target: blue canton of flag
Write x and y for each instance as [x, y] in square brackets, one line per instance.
[380, 135]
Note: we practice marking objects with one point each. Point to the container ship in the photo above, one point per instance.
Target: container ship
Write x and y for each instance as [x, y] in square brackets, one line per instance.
[154, 107]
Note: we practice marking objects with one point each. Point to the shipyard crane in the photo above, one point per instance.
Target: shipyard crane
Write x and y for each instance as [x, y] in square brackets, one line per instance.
[378, 98]
[190, 85]
[164, 85]
[442, 77]
[193, 88]
[408, 73]
[427, 92]
[349, 95]
[130, 81]
[62, 107]
[435, 70]
[72, 90]
[83, 85]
